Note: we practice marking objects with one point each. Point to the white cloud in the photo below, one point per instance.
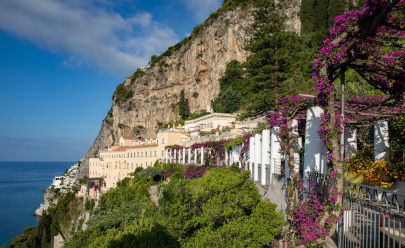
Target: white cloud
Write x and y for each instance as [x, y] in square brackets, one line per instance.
[88, 32]
[202, 9]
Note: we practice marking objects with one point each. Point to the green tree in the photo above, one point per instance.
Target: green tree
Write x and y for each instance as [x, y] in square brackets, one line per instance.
[314, 16]
[233, 76]
[44, 241]
[279, 64]
[184, 111]
[335, 7]
[223, 206]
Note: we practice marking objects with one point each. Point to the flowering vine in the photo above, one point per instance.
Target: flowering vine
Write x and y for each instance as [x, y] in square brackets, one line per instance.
[367, 42]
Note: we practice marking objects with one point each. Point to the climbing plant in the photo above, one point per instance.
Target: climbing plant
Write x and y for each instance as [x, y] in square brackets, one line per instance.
[369, 41]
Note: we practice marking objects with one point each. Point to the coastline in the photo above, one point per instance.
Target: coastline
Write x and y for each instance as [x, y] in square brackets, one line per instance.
[61, 184]
[21, 190]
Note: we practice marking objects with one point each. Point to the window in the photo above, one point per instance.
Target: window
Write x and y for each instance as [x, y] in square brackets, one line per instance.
[163, 153]
[146, 154]
[150, 154]
[141, 155]
[163, 140]
[132, 166]
[155, 153]
[138, 154]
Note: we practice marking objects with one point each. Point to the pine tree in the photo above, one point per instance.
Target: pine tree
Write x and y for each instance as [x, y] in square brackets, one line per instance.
[279, 59]
[183, 106]
[336, 7]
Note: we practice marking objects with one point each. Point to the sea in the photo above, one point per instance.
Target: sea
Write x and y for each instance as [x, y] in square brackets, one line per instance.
[22, 186]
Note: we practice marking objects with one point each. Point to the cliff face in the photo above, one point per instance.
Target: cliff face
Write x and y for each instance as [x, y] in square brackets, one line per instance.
[196, 67]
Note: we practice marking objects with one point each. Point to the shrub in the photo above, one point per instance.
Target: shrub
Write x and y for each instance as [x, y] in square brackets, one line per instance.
[154, 172]
[89, 205]
[124, 182]
[171, 168]
[115, 198]
[138, 73]
[383, 173]
[221, 209]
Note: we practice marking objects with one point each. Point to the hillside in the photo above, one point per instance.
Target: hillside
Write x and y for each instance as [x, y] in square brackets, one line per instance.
[146, 99]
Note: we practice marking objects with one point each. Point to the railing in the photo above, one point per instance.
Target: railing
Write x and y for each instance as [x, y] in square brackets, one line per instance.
[320, 183]
[374, 218]
[278, 167]
[172, 129]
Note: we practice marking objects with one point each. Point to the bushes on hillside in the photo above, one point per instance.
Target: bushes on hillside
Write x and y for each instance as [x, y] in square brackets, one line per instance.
[222, 208]
[151, 172]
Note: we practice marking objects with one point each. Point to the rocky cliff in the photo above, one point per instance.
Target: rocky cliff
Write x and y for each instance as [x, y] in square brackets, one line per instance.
[146, 99]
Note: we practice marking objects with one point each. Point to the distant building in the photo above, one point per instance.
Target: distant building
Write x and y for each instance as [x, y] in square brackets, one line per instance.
[116, 162]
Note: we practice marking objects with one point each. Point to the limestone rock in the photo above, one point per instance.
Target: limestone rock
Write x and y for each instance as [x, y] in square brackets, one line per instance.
[195, 67]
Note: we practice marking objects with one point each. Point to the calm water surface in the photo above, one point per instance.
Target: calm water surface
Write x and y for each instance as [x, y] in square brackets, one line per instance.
[22, 186]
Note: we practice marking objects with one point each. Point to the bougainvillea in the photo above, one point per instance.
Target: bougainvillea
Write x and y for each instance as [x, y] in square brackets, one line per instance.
[195, 171]
[367, 42]
[245, 145]
[216, 150]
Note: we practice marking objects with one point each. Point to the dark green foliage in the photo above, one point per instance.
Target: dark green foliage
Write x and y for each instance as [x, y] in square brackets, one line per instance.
[318, 16]
[233, 76]
[232, 86]
[172, 167]
[274, 71]
[228, 101]
[195, 115]
[138, 73]
[89, 205]
[219, 209]
[154, 173]
[137, 170]
[195, 94]
[122, 93]
[397, 131]
[336, 7]
[213, 16]
[124, 182]
[314, 16]
[114, 198]
[21, 239]
[115, 217]
[156, 236]
[154, 59]
[183, 106]
[280, 65]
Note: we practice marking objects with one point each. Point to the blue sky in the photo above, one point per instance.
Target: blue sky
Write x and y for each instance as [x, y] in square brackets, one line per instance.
[60, 61]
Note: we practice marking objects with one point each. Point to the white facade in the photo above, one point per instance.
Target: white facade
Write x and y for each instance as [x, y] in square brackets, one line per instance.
[209, 121]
